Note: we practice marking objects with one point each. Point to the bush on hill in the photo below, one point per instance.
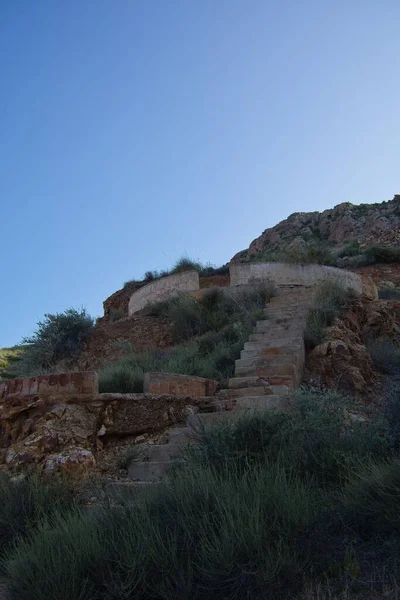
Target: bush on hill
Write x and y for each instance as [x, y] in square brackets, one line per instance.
[220, 322]
[183, 264]
[330, 299]
[57, 337]
[264, 508]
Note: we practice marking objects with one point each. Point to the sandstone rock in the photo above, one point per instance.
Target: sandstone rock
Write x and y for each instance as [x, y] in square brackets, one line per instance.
[39, 433]
[73, 461]
[369, 224]
[343, 361]
[341, 365]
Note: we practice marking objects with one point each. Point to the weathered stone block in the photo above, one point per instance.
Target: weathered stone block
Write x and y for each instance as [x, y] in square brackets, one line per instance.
[84, 382]
[178, 385]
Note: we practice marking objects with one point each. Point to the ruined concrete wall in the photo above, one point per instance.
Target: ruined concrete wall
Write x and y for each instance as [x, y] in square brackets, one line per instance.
[163, 288]
[179, 385]
[286, 274]
[82, 382]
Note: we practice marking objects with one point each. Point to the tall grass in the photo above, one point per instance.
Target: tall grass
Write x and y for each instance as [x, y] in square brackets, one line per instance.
[24, 503]
[206, 535]
[212, 356]
[315, 439]
[385, 354]
[221, 324]
[331, 297]
[259, 509]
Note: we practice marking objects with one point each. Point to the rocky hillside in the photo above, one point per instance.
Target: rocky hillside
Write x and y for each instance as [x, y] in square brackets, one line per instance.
[332, 229]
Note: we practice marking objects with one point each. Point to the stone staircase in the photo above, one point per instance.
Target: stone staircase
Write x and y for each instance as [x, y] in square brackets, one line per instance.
[269, 369]
[272, 361]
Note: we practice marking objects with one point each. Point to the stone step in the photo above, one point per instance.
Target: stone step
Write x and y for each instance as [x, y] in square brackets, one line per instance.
[261, 390]
[266, 350]
[149, 472]
[232, 416]
[283, 359]
[163, 452]
[124, 491]
[288, 370]
[280, 334]
[262, 351]
[250, 402]
[180, 435]
[236, 383]
[284, 341]
[281, 320]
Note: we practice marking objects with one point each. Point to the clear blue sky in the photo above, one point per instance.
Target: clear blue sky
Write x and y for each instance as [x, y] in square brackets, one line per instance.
[135, 131]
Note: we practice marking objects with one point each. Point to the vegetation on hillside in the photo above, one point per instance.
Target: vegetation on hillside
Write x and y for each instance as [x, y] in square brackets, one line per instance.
[331, 297]
[183, 264]
[7, 357]
[268, 508]
[213, 329]
[350, 256]
[58, 337]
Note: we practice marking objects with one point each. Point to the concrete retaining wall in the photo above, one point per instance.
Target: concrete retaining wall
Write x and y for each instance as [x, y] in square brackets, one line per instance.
[163, 288]
[286, 274]
[82, 382]
[178, 385]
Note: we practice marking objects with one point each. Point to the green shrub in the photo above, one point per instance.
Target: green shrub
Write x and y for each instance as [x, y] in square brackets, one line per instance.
[389, 293]
[8, 357]
[209, 270]
[212, 356]
[57, 559]
[121, 377]
[315, 439]
[58, 337]
[116, 314]
[385, 354]
[186, 264]
[371, 499]
[24, 503]
[222, 322]
[384, 254]
[349, 250]
[215, 309]
[203, 535]
[330, 299]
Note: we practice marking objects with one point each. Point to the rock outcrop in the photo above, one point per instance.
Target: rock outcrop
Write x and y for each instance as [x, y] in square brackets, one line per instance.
[342, 361]
[369, 224]
[55, 433]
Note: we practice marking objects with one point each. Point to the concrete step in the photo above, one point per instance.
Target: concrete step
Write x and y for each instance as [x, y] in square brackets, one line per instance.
[250, 402]
[247, 391]
[236, 383]
[288, 370]
[263, 338]
[283, 359]
[267, 390]
[164, 452]
[227, 416]
[263, 351]
[180, 435]
[149, 472]
[124, 491]
[276, 332]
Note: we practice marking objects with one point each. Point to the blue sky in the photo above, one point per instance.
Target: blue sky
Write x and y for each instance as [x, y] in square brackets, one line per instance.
[136, 131]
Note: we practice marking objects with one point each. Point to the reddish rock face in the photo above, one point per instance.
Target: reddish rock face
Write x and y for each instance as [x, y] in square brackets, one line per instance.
[342, 361]
[370, 224]
[66, 434]
[179, 385]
